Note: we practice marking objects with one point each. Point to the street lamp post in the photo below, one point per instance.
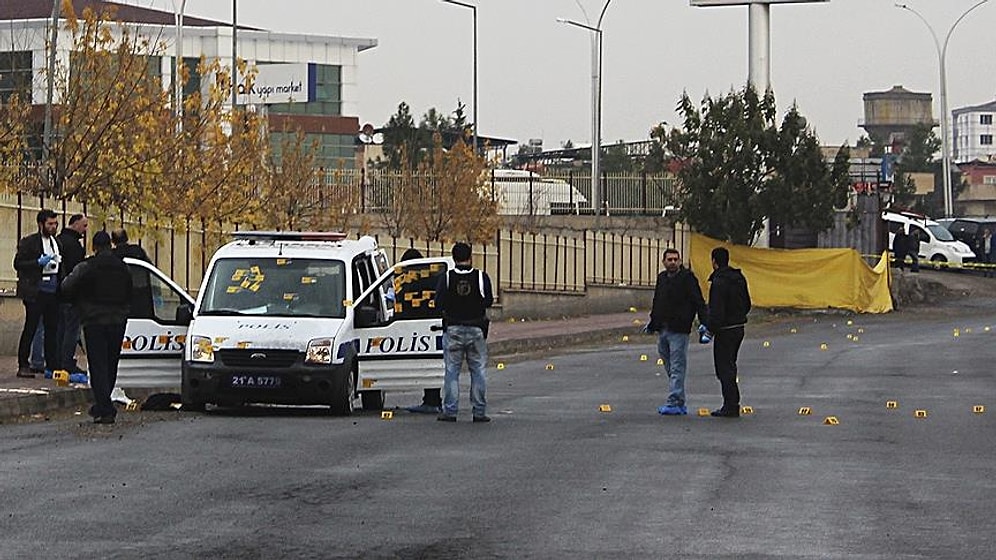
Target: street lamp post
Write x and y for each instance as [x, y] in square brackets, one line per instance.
[942, 52]
[596, 103]
[178, 9]
[473, 8]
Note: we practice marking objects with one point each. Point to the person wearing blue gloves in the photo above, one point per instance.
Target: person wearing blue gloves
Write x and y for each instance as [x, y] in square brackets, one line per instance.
[677, 300]
[39, 273]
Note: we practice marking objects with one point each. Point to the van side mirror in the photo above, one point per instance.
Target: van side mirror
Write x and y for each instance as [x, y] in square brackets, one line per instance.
[365, 316]
[184, 314]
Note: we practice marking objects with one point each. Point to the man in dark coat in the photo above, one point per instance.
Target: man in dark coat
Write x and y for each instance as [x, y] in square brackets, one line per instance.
[124, 249]
[37, 263]
[677, 300]
[101, 288]
[900, 247]
[71, 241]
[729, 303]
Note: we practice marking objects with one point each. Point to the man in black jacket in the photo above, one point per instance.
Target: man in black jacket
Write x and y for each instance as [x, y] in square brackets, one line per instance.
[37, 263]
[124, 249]
[101, 288]
[71, 241]
[677, 299]
[729, 303]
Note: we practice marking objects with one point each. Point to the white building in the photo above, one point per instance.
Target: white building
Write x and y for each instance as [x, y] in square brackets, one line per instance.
[317, 74]
[973, 133]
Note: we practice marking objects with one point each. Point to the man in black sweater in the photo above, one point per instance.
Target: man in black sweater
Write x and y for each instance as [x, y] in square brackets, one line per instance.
[677, 300]
[101, 288]
[122, 248]
[37, 263]
[729, 303]
[71, 240]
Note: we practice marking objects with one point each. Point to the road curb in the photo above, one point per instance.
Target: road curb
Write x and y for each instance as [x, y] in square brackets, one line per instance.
[52, 400]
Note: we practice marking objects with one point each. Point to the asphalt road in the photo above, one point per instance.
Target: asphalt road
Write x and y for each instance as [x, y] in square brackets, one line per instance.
[552, 476]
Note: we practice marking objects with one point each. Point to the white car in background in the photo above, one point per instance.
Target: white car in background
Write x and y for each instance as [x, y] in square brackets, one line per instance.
[937, 245]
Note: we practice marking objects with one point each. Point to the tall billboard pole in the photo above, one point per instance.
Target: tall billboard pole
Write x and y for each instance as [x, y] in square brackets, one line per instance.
[759, 29]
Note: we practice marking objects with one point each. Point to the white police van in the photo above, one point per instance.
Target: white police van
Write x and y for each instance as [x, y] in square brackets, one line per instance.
[289, 318]
[935, 242]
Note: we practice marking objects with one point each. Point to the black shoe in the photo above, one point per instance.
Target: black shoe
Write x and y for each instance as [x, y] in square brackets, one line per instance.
[103, 420]
[482, 419]
[723, 413]
[446, 418]
[24, 372]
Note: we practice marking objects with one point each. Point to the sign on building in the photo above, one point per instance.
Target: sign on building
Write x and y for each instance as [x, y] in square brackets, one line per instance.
[278, 83]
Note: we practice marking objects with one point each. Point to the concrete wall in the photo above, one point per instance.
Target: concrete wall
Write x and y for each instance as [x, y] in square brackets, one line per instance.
[595, 300]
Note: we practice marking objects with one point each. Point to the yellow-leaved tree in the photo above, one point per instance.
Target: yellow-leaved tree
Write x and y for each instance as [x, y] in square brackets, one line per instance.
[13, 116]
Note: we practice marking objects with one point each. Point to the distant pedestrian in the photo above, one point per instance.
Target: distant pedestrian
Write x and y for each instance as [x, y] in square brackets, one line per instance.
[37, 263]
[677, 300]
[985, 251]
[463, 295]
[101, 287]
[729, 303]
[71, 240]
[124, 249]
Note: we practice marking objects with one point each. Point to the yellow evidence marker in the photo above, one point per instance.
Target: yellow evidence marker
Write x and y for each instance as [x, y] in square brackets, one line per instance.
[61, 377]
[132, 406]
[501, 365]
[660, 361]
[386, 415]
[746, 410]
[604, 408]
[643, 357]
[625, 338]
[805, 411]
[549, 367]
[891, 404]
[978, 409]
[767, 344]
[703, 412]
[831, 421]
[920, 413]
[823, 346]
[793, 330]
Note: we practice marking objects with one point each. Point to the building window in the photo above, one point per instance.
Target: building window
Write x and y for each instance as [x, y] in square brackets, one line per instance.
[989, 180]
[15, 75]
[986, 139]
[985, 119]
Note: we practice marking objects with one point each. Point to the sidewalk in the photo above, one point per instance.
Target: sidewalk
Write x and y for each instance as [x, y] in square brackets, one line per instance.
[22, 397]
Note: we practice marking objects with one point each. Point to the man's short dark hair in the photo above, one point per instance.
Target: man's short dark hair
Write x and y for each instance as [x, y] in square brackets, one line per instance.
[75, 218]
[671, 250]
[101, 240]
[721, 255]
[45, 215]
[461, 252]
[119, 236]
[410, 254]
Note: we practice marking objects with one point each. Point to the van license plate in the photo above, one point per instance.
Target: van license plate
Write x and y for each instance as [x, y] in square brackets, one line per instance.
[256, 381]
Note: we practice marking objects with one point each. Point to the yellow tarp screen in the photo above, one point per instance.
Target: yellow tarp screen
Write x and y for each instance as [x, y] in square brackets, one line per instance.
[801, 278]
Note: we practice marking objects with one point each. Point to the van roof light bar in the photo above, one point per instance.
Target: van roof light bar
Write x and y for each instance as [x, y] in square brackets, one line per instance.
[290, 235]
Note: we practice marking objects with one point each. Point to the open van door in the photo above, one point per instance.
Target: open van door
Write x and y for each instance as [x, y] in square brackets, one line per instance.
[157, 329]
[400, 331]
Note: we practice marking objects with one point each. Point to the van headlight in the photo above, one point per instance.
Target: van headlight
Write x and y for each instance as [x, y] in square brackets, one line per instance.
[319, 351]
[201, 350]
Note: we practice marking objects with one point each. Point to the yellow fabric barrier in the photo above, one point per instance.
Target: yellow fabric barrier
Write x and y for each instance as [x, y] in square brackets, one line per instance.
[801, 278]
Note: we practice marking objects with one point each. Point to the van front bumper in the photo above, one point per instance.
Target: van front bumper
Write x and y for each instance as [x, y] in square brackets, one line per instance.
[231, 386]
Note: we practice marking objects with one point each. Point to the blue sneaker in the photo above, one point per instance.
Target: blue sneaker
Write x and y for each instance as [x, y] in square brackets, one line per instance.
[672, 410]
[48, 374]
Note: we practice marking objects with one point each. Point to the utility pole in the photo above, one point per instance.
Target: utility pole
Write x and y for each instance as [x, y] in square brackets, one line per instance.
[50, 93]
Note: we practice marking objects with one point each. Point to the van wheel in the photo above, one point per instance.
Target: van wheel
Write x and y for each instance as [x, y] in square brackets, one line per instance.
[191, 405]
[372, 400]
[343, 388]
[937, 261]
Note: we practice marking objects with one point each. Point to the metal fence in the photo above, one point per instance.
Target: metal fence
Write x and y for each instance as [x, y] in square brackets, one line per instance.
[535, 262]
[372, 191]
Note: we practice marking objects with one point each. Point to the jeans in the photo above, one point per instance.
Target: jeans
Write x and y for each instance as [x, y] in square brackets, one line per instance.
[673, 349]
[725, 347]
[69, 336]
[103, 349]
[37, 357]
[44, 309]
[461, 343]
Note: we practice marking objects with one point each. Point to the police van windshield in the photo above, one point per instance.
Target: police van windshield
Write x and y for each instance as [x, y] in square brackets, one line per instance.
[941, 233]
[281, 287]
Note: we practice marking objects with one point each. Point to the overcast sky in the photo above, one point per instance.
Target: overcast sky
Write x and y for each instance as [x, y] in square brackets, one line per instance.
[535, 73]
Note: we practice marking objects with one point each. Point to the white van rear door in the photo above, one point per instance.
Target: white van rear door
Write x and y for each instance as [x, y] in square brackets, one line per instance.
[403, 351]
[156, 330]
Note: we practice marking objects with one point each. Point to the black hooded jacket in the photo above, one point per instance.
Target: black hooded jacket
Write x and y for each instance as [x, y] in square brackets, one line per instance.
[729, 299]
[677, 299]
